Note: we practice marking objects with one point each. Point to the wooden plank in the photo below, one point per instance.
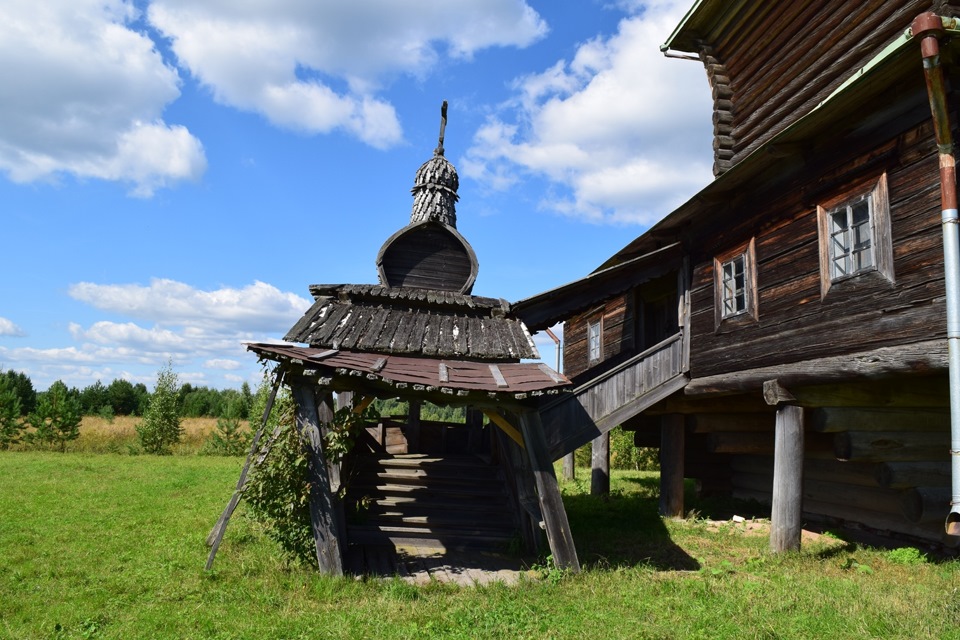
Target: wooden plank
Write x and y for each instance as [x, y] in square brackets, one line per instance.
[559, 535]
[498, 376]
[323, 513]
[671, 465]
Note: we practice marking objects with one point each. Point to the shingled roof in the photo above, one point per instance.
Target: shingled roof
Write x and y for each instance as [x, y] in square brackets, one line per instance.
[393, 320]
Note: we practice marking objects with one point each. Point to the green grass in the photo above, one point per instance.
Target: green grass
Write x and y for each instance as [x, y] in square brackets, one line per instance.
[112, 546]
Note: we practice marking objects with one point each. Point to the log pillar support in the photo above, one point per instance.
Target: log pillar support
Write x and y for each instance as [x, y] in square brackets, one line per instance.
[786, 511]
[554, 514]
[600, 466]
[671, 465]
[474, 422]
[570, 467]
[324, 514]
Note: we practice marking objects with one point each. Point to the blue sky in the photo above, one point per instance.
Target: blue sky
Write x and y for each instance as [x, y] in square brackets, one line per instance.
[174, 174]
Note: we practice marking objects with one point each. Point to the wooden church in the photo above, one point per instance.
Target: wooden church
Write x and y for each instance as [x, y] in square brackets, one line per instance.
[800, 297]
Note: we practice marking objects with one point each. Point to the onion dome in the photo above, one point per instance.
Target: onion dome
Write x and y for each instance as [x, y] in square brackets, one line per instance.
[430, 253]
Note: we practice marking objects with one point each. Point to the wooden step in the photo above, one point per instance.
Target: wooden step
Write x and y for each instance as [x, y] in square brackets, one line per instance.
[428, 536]
[358, 489]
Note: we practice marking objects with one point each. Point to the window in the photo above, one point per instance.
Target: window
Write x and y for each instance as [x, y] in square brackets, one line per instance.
[594, 343]
[735, 284]
[855, 234]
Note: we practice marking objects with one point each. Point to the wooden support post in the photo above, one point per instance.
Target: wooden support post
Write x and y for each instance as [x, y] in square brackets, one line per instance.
[570, 466]
[474, 422]
[344, 399]
[600, 466]
[787, 502]
[559, 535]
[671, 465]
[324, 516]
[413, 427]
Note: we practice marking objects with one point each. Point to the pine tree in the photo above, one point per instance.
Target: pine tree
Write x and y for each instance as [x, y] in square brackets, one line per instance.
[11, 423]
[161, 428]
[57, 417]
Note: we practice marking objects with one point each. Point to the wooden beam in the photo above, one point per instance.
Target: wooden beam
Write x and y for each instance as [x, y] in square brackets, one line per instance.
[912, 359]
[505, 426]
[775, 394]
[907, 473]
[559, 535]
[671, 466]
[882, 446]
[836, 419]
[600, 465]
[216, 534]
[923, 505]
[323, 512]
[787, 502]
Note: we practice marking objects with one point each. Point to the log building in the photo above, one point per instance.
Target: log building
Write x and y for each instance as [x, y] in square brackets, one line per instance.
[783, 333]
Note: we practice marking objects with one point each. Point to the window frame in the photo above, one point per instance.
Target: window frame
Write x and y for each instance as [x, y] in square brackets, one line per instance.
[749, 313]
[598, 323]
[874, 192]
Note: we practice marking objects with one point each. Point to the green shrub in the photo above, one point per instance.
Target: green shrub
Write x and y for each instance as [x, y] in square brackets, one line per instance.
[230, 438]
[909, 556]
[623, 453]
[161, 428]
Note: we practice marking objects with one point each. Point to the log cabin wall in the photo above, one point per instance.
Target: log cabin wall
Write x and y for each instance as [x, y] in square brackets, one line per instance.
[616, 316]
[794, 321]
[769, 63]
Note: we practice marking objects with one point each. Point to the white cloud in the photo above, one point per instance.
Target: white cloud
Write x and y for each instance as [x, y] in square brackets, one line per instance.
[622, 131]
[258, 307]
[8, 328]
[283, 60]
[84, 95]
[174, 321]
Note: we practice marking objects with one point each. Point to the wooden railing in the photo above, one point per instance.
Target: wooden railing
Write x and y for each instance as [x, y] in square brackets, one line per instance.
[616, 395]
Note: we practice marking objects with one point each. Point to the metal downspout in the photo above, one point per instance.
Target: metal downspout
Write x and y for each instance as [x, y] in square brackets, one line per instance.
[928, 27]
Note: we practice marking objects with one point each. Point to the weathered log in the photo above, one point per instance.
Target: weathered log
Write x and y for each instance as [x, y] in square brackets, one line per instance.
[929, 356]
[836, 419]
[885, 522]
[323, 511]
[711, 422]
[923, 505]
[785, 511]
[826, 470]
[774, 393]
[736, 442]
[905, 474]
[555, 520]
[413, 428]
[600, 466]
[881, 446]
[570, 466]
[671, 466]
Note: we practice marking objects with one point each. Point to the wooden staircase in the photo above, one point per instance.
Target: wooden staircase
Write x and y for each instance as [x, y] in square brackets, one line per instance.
[410, 500]
[600, 404]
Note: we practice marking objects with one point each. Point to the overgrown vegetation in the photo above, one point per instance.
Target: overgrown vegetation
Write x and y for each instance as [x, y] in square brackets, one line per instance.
[161, 428]
[56, 420]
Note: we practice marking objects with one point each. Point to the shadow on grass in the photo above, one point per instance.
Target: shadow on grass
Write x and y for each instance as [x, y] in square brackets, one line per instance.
[624, 530]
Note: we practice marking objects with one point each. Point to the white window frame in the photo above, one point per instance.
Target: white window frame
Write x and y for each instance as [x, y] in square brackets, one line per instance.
[849, 245]
[595, 340]
[735, 284]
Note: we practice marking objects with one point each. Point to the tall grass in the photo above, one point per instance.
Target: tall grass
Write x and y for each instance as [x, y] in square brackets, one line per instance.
[112, 546]
[119, 435]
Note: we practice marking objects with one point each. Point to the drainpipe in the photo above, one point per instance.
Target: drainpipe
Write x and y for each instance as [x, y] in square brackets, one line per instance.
[928, 27]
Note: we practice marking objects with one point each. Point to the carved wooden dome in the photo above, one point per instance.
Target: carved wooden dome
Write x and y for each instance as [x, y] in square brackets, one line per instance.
[430, 253]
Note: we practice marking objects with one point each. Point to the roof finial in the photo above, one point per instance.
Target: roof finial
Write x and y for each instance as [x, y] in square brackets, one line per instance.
[443, 125]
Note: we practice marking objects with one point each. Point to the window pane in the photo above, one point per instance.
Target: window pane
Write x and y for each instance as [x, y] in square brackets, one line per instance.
[734, 283]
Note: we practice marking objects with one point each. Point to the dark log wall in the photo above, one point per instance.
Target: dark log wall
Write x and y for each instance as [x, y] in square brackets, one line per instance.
[862, 313]
[777, 60]
[617, 334]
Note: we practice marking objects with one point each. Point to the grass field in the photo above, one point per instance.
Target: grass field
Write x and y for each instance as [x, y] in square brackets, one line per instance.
[112, 546]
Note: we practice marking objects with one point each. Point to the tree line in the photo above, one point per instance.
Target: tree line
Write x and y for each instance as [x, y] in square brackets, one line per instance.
[124, 398]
